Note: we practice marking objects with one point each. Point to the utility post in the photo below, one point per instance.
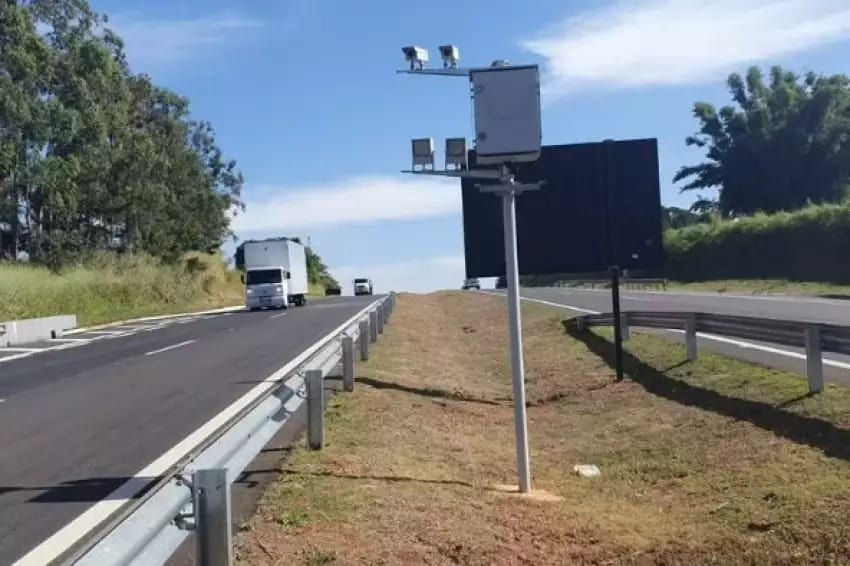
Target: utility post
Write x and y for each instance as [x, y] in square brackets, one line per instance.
[506, 103]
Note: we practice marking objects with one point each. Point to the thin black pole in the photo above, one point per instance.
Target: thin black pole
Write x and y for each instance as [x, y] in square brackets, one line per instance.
[618, 329]
[613, 268]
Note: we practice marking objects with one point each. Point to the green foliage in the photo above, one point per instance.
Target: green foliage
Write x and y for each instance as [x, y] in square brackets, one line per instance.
[109, 287]
[674, 217]
[784, 143]
[94, 158]
[811, 244]
[317, 271]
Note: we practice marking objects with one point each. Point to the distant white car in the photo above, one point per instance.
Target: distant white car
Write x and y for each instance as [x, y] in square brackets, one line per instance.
[471, 283]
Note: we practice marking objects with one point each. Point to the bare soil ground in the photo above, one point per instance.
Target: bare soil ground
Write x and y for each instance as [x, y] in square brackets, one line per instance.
[711, 462]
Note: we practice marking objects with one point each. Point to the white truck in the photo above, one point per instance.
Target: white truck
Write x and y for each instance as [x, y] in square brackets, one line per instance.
[275, 274]
[362, 286]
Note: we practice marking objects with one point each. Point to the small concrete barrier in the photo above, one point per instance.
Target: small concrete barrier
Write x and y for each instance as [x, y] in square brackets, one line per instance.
[16, 332]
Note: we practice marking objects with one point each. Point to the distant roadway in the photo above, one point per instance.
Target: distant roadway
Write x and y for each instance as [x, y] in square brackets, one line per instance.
[804, 309]
[80, 416]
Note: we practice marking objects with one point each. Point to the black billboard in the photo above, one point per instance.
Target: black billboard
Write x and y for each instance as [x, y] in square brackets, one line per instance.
[600, 206]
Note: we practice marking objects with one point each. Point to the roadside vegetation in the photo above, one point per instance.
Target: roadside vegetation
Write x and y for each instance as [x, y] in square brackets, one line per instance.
[716, 461]
[109, 288]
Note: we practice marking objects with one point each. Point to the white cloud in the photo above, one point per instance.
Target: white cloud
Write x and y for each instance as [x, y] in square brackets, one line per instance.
[420, 276]
[357, 200]
[633, 43]
[152, 44]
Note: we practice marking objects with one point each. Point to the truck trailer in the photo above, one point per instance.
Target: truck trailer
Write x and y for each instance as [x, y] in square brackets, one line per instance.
[275, 274]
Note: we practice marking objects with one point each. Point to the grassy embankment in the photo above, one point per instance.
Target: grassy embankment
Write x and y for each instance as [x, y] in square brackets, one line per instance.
[715, 461]
[113, 288]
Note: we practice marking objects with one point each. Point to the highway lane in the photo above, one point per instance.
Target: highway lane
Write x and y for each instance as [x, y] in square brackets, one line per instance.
[804, 309]
[77, 423]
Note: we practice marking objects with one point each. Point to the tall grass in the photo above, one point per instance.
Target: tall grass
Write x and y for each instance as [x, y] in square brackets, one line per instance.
[811, 244]
[111, 288]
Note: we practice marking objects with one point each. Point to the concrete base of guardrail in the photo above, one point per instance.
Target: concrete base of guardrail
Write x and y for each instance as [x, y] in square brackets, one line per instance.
[18, 332]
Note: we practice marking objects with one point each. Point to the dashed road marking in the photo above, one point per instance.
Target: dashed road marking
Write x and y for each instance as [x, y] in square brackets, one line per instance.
[172, 347]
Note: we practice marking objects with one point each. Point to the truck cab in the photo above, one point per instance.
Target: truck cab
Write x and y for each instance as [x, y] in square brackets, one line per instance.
[362, 286]
[266, 287]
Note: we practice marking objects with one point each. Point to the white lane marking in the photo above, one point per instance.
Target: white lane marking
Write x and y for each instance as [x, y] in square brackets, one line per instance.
[16, 357]
[71, 533]
[278, 315]
[172, 347]
[104, 332]
[643, 299]
[2, 400]
[69, 339]
[14, 349]
[743, 344]
[159, 317]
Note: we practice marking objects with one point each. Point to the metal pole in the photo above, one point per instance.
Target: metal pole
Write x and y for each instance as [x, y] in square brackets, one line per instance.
[363, 339]
[515, 327]
[315, 408]
[373, 326]
[348, 363]
[814, 360]
[380, 318]
[618, 320]
[211, 494]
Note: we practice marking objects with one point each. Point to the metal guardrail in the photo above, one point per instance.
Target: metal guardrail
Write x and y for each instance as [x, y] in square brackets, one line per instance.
[629, 283]
[815, 338]
[195, 495]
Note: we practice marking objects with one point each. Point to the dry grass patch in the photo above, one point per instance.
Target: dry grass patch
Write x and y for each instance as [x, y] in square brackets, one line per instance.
[710, 462]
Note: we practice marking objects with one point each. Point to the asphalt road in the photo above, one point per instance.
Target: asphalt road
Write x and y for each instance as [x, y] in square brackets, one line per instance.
[80, 417]
[804, 309]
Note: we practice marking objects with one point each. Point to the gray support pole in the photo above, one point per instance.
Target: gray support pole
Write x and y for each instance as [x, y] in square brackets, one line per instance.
[348, 363]
[814, 360]
[691, 338]
[364, 340]
[373, 326]
[211, 495]
[380, 317]
[315, 409]
[515, 328]
[581, 323]
[624, 323]
[385, 309]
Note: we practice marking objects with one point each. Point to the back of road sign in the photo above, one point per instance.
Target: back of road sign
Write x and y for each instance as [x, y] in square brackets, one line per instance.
[600, 206]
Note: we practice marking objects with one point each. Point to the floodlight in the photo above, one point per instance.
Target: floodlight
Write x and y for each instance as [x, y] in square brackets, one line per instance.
[416, 56]
[450, 55]
[456, 152]
[422, 150]
[500, 63]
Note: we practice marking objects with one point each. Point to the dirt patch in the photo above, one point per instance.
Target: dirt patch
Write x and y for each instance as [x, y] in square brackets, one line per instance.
[701, 463]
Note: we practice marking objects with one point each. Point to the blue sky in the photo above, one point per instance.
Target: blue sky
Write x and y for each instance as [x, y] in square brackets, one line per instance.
[303, 95]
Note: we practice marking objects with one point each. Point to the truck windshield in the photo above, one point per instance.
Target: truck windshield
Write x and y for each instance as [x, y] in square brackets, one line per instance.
[263, 276]
[356, 281]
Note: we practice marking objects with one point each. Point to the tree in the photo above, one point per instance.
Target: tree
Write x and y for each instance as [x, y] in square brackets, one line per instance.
[94, 158]
[780, 146]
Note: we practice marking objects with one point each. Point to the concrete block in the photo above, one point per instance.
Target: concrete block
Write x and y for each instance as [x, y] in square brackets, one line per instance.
[16, 332]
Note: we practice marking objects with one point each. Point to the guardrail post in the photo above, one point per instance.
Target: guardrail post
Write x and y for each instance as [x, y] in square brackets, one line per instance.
[348, 363]
[211, 498]
[691, 338]
[624, 323]
[385, 310]
[814, 360]
[364, 340]
[373, 326]
[315, 408]
[380, 317]
[581, 323]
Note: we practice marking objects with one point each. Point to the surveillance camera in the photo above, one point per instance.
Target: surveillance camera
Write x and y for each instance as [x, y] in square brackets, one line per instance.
[500, 63]
[416, 56]
[450, 55]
